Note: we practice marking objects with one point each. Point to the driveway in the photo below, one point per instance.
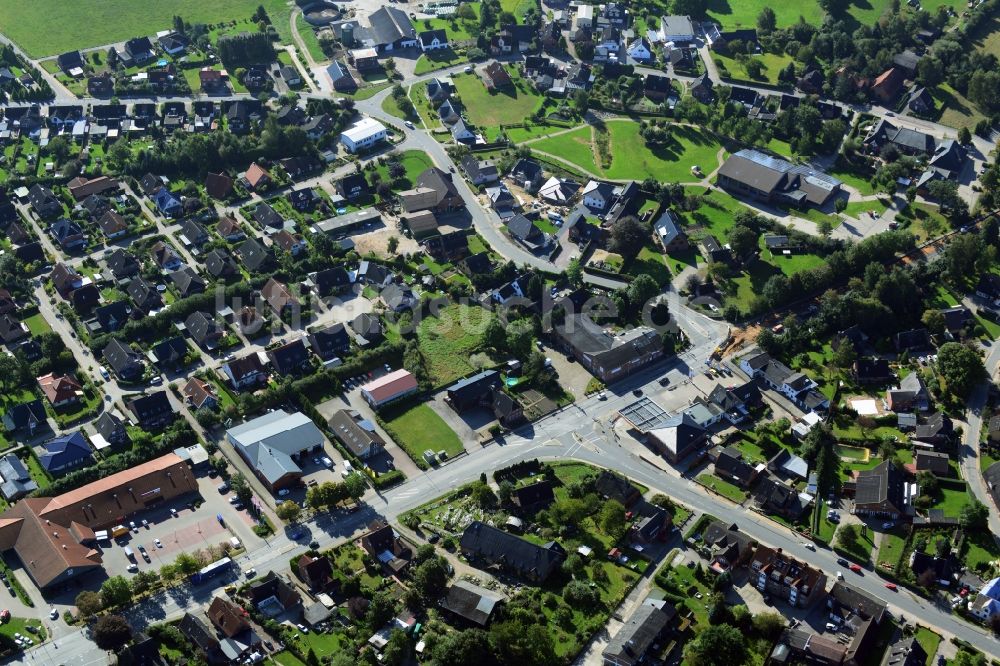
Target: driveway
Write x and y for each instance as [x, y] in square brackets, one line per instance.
[465, 425]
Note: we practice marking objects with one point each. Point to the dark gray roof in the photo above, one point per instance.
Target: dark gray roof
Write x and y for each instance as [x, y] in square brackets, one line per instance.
[638, 634]
[389, 25]
[471, 602]
[511, 552]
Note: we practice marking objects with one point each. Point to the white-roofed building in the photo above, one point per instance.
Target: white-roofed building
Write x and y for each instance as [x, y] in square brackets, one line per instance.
[362, 135]
[273, 443]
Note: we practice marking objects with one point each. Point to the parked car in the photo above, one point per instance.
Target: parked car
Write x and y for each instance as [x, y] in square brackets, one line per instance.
[842, 562]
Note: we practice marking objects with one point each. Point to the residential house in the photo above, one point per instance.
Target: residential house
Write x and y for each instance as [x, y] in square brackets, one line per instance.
[45, 204]
[880, 492]
[731, 467]
[776, 497]
[488, 546]
[220, 264]
[645, 629]
[203, 330]
[187, 282]
[200, 394]
[527, 233]
[274, 595]
[383, 544]
[244, 373]
[787, 464]
[255, 257]
[776, 573]
[909, 395]
[290, 358]
[736, 402]
[496, 77]
[152, 411]
[872, 371]
[330, 281]
[25, 418]
[316, 572]
[60, 390]
[111, 317]
[728, 546]
[11, 329]
[169, 354]
[112, 225]
[353, 186]
[434, 190]
[478, 171]
[471, 604]
[676, 29]
[532, 498]
[937, 430]
[15, 480]
[640, 51]
[329, 342]
[124, 361]
[528, 175]
[702, 89]
[257, 177]
[432, 40]
[887, 85]
[111, 427]
[913, 341]
[279, 297]
[920, 102]
[356, 433]
[341, 77]
[64, 453]
[68, 234]
[363, 135]
[293, 244]
[367, 327]
[230, 229]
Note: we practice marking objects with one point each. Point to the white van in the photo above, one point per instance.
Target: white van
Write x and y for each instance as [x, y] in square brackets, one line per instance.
[129, 554]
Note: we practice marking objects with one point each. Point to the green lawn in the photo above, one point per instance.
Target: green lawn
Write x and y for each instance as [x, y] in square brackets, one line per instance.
[437, 59]
[309, 39]
[414, 161]
[891, 548]
[980, 550]
[929, 641]
[447, 341]
[419, 429]
[952, 500]
[522, 134]
[19, 625]
[286, 658]
[390, 106]
[861, 547]
[724, 488]
[682, 581]
[37, 325]
[743, 13]
[851, 178]
[632, 159]
[772, 66]
[489, 110]
[49, 27]
[652, 262]
[958, 111]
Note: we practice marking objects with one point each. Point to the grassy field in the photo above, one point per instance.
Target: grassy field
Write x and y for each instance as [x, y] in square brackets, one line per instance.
[634, 159]
[49, 27]
[19, 625]
[744, 13]
[861, 548]
[420, 428]
[432, 60]
[958, 111]
[724, 488]
[891, 548]
[447, 341]
[414, 161]
[309, 39]
[488, 110]
[987, 38]
[772, 66]
[952, 501]
[37, 325]
[929, 641]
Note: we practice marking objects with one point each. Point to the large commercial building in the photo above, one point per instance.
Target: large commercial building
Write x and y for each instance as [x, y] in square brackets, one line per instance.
[273, 443]
[54, 536]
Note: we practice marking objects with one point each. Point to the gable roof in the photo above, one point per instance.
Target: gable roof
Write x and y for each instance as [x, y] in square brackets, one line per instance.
[509, 551]
[471, 602]
[389, 25]
[65, 450]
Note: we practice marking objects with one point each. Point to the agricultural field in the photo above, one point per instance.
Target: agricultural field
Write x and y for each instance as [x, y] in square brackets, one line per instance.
[633, 160]
[447, 341]
[489, 110]
[50, 27]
